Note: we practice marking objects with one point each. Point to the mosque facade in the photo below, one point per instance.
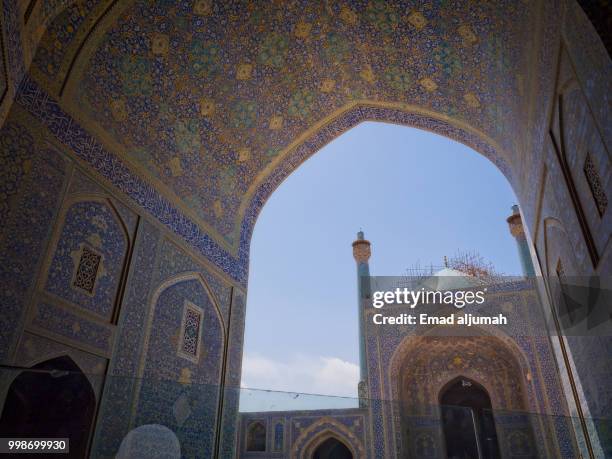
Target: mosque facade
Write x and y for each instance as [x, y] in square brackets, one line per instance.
[139, 140]
[423, 387]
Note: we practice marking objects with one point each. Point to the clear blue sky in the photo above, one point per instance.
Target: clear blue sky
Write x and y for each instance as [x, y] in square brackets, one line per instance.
[416, 195]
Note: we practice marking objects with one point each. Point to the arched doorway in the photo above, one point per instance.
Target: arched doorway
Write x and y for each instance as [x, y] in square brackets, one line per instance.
[467, 421]
[332, 448]
[53, 399]
[256, 437]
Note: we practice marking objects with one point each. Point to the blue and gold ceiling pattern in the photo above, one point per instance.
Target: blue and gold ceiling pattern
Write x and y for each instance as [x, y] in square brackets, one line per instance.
[204, 99]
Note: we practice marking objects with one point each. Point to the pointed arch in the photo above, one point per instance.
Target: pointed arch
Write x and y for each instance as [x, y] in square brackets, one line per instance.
[443, 390]
[332, 448]
[94, 379]
[491, 332]
[256, 437]
[148, 324]
[411, 405]
[106, 306]
[326, 427]
[468, 423]
[183, 277]
[52, 399]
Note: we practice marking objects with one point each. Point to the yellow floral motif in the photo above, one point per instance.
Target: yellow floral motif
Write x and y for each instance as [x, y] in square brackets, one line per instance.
[218, 209]
[328, 85]
[185, 377]
[207, 107]
[417, 20]
[244, 71]
[472, 100]
[276, 122]
[469, 37]
[76, 327]
[119, 110]
[428, 84]
[95, 239]
[302, 29]
[457, 361]
[159, 44]
[367, 74]
[348, 15]
[175, 166]
[202, 7]
[244, 154]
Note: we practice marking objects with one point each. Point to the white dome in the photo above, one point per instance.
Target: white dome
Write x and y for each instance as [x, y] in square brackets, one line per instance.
[449, 279]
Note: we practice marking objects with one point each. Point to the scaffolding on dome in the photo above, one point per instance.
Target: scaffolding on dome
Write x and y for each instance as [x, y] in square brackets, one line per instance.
[471, 263]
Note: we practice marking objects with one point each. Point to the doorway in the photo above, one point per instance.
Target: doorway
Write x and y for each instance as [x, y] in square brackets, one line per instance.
[332, 449]
[467, 421]
[53, 399]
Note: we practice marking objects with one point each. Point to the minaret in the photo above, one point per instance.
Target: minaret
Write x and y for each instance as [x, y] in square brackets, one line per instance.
[516, 229]
[361, 253]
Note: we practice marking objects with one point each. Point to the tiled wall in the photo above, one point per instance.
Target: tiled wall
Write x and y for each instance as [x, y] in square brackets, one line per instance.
[62, 189]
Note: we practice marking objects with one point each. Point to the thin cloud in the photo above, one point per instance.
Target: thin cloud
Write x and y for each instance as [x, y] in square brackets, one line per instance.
[302, 374]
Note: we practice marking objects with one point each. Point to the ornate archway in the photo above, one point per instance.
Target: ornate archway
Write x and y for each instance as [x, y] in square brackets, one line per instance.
[468, 423]
[53, 399]
[244, 97]
[426, 366]
[326, 428]
[256, 437]
[332, 448]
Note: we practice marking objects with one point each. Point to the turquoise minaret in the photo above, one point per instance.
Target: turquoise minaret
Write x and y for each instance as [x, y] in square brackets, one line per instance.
[516, 229]
[361, 253]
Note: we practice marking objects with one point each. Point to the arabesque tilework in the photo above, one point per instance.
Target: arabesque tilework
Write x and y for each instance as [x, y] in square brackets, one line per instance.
[94, 226]
[163, 127]
[241, 81]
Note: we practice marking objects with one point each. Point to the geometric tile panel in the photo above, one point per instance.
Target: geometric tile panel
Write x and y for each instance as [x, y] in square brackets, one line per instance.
[189, 344]
[88, 259]
[87, 270]
[169, 378]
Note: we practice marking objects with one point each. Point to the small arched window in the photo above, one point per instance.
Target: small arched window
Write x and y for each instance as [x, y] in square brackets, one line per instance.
[279, 436]
[256, 437]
